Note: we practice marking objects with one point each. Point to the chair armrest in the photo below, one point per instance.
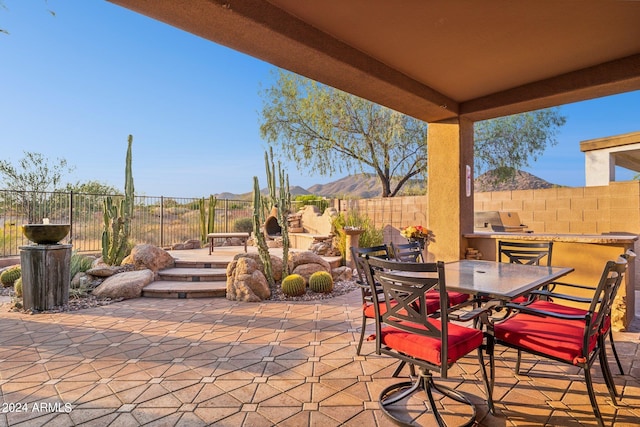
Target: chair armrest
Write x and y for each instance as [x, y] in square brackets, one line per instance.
[566, 297]
[542, 313]
[573, 285]
[460, 315]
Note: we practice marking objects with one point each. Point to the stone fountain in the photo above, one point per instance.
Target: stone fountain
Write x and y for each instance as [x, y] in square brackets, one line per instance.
[46, 266]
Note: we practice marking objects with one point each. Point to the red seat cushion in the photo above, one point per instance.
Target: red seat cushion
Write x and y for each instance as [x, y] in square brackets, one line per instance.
[454, 297]
[369, 310]
[559, 338]
[461, 341]
[563, 309]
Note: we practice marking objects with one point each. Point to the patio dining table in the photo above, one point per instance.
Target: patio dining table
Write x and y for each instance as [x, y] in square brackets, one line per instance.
[497, 280]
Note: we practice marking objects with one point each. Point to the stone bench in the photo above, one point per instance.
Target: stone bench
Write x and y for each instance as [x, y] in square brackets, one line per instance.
[242, 236]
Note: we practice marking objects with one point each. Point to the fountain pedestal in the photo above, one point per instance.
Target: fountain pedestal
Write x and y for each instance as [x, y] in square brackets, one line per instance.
[45, 276]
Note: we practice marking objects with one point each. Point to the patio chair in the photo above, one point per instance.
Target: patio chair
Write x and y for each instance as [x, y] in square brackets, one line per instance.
[576, 339]
[528, 253]
[412, 252]
[411, 330]
[368, 311]
[549, 301]
[407, 252]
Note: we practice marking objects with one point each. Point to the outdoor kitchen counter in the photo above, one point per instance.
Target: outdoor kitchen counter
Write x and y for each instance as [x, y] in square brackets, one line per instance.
[602, 239]
[586, 253]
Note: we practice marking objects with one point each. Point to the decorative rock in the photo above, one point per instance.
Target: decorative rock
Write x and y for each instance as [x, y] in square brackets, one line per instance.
[306, 270]
[341, 274]
[245, 281]
[124, 285]
[299, 258]
[103, 271]
[189, 244]
[276, 264]
[149, 257]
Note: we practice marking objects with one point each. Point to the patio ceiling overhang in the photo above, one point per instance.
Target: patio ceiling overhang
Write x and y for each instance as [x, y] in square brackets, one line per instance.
[433, 60]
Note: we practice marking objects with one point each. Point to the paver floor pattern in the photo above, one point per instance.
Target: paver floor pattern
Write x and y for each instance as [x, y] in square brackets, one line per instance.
[171, 362]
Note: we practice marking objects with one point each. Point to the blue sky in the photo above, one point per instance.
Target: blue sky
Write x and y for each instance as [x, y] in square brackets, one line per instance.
[76, 84]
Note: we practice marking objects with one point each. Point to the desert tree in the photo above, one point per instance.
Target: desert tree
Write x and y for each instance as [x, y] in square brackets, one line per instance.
[325, 130]
[28, 182]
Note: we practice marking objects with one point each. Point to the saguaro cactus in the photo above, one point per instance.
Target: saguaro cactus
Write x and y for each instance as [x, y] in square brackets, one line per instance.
[280, 197]
[117, 219]
[258, 219]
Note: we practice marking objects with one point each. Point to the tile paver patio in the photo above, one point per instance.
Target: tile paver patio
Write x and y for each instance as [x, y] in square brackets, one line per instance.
[211, 361]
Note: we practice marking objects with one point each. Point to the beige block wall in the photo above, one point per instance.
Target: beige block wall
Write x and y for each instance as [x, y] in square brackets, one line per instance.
[614, 208]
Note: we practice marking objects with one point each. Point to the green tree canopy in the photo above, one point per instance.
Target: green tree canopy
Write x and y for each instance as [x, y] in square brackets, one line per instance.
[325, 130]
[509, 143]
[30, 178]
[93, 187]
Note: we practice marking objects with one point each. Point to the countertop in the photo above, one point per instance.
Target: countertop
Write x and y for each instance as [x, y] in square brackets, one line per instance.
[557, 237]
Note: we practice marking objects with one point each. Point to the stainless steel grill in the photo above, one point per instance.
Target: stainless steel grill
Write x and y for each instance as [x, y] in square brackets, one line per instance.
[501, 221]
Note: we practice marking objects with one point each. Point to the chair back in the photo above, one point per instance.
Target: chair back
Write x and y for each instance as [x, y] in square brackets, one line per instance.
[404, 286]
[600, 307]
[529, 253]
[358, 254]
[407, 252]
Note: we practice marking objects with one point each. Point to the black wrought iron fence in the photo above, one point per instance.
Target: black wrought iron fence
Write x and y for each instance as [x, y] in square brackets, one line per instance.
[161, 221]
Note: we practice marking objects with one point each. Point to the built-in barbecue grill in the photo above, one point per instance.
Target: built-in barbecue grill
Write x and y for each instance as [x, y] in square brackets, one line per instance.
[501, 221]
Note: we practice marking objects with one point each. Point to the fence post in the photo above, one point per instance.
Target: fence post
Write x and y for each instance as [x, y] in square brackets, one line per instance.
[226, 215]
[71, 217]
[162, 221]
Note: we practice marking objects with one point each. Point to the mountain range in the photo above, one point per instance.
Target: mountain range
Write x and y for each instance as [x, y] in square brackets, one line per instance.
[367, 186]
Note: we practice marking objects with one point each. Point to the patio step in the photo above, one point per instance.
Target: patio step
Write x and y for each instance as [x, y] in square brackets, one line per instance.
[190, 279]
[183, 289]
[181, 274]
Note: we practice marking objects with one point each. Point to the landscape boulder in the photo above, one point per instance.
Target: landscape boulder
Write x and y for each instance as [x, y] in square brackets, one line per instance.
[125, 285]
[306, 263]
[245, 280]
[342, 274]
[188, 244]
[150, 257]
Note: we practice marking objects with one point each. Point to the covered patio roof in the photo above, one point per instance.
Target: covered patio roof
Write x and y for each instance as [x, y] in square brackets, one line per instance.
[433, 60]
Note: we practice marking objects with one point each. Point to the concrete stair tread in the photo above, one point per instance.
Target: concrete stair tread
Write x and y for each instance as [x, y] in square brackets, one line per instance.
[192, 271]
[182, 289]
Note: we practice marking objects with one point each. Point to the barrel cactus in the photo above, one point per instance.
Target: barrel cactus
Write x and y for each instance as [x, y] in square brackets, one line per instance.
[321, 282]
[294, 285]
[17, 287]
[10, 275]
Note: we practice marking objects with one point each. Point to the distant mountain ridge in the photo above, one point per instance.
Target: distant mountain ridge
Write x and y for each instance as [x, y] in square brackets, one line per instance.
[367, 186]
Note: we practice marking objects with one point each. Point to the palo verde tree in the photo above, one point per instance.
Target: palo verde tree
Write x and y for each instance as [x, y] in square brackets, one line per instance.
[325, 130]
[507, 144]
[29, 181]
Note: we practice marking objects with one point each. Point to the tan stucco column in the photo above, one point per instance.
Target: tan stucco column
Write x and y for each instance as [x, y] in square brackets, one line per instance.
[450, 209]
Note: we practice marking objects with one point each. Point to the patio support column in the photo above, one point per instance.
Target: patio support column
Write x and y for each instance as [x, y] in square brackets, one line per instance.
[450, 205]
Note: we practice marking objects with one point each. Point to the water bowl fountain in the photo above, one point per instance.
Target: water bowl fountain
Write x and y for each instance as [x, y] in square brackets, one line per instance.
[45, 234]
[46, 267]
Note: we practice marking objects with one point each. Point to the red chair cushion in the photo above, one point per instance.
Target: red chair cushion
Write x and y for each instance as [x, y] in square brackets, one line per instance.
[461, 341]
[369, 310]
[454, 297]
[558, 338]
[563, 309]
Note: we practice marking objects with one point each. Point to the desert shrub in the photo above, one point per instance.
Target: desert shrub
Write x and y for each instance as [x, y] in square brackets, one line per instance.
[79, 263]
[371, 236]
[243, 224]
[311, 199]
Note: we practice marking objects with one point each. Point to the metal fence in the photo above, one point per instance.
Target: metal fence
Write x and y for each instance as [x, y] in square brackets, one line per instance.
[161, 221]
